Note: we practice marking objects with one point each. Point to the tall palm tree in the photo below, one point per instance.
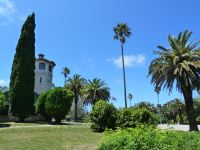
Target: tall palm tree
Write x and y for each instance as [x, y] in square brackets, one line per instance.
[121, 32]
[75, 84]
[178, 64]
[94, 91]
[65, 72]
[130, 97]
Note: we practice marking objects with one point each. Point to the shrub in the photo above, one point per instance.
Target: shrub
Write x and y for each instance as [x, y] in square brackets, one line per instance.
[144, 116]
[40, 106]
[150, 139]
[125, 118]
[135, 117]
[58, 103]
[102, 116]
[2, 99]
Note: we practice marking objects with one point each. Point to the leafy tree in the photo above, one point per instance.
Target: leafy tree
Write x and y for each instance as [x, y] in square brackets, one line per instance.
[149, 106]
[121, 32]
[180, 63]
[22, 77]
[58, 103]
[75, 84]
[94, 90]
[130, 96]
[2, 99]
[65, 72]
[102, 116]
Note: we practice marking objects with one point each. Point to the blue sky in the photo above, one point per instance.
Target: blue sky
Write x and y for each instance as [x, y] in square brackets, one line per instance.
[79, 34]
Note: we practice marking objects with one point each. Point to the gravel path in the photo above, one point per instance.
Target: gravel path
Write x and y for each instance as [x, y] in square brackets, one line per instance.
[175, 127]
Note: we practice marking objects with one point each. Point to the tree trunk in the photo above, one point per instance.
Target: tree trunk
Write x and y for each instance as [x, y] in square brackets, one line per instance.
[76, 108]
[187, 93]
[124, 75]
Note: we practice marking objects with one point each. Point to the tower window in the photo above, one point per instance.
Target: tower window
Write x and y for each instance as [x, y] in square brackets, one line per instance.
[42, 66]
[50, 68]
[40, 79]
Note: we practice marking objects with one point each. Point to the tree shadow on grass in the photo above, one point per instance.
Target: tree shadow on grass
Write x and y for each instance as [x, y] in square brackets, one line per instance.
[4, 125]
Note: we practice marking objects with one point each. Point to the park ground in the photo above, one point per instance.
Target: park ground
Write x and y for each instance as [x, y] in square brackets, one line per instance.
[32, 136]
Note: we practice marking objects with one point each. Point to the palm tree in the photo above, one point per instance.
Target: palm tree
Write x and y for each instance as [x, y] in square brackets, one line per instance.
[65, 72]
[94, 91]
[180, 64]
[130, 96]
[179, 107]
[121, 32]
[75, 84]
[157, 90]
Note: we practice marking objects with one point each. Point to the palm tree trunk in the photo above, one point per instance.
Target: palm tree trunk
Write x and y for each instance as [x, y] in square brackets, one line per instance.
[187, 93]
[124, 75]
[76, 108]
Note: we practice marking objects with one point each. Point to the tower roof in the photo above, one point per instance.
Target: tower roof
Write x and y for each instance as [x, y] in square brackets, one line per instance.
[41, 58]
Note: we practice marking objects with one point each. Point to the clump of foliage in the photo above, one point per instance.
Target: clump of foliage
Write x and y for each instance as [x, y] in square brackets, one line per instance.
[40, 106]
[143, 138]
[22, 76]
[135, 117]
[58, 103]
[102, 116]
[125, 118]
[2, 99]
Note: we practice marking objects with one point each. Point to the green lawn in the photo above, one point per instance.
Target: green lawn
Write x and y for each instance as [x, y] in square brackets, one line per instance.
[55, 137]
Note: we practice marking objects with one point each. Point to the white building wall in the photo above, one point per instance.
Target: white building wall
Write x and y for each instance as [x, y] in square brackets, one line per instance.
[45, 83]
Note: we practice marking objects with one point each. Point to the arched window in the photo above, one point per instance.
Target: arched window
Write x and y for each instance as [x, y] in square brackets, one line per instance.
[42, 66]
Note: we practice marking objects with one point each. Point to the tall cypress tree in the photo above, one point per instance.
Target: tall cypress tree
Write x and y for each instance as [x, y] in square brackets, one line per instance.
[22, 76]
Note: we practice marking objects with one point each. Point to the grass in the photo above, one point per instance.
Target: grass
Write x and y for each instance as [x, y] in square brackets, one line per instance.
[55, 137]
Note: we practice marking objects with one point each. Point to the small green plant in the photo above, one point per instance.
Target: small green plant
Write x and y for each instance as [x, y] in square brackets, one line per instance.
[58, 103]
[40, 106]
[102, 116]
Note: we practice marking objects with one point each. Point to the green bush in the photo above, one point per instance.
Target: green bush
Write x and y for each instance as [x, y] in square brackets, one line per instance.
[102, 116]
[150, 139]
[58, 103]
[125, 118]
[40, 106]
[135, 117]
[2, 99]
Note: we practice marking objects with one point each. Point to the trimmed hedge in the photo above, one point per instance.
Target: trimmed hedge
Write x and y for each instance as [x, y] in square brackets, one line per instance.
[145, 138]
[40, 106]
[58, 103]
[102, 116]
[2, 99]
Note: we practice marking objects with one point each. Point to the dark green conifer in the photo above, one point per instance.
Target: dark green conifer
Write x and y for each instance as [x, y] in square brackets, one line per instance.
[22, 76]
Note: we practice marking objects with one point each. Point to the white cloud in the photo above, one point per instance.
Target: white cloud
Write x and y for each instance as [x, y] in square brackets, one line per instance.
[4, 82]
[129, 60]
[9, 12]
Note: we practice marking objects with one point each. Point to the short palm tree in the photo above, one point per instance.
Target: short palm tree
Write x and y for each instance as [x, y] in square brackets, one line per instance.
[130, 97]
[179, 107]
[121, 32]
[157, 90]
[94, 91]
[65, 72]
[75, 84]
[179, 64]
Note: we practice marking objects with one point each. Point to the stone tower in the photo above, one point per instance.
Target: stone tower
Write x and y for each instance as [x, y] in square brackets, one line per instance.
[43, 74]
